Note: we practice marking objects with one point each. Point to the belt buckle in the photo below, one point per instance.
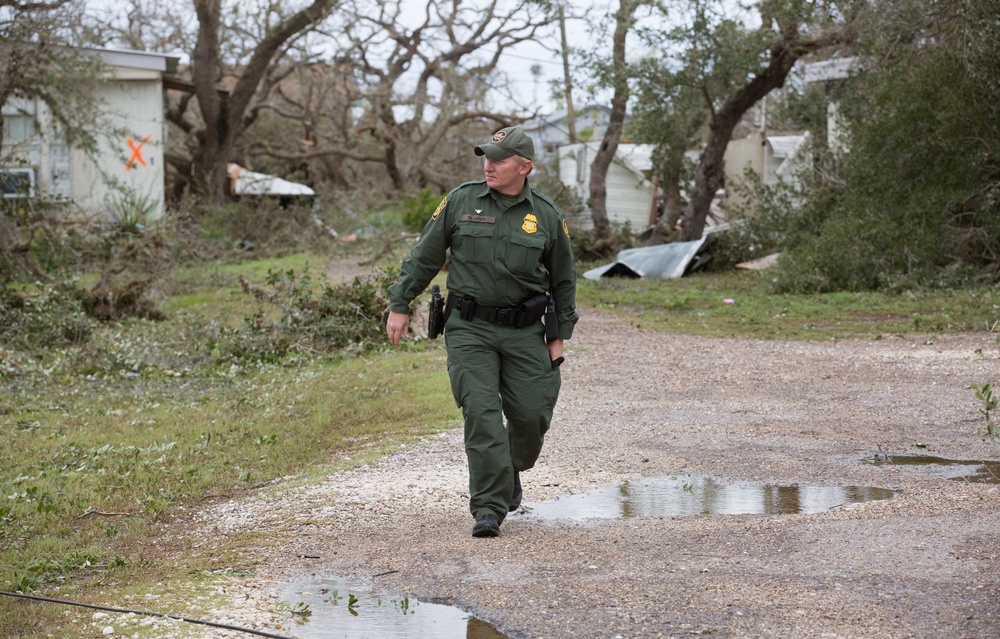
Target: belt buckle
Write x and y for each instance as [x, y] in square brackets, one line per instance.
[506, 316]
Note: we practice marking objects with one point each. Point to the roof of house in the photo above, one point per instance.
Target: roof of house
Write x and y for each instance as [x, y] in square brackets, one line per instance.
[145, 60]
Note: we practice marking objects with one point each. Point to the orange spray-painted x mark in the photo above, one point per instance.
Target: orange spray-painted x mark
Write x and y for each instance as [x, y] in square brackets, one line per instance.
[136, 153]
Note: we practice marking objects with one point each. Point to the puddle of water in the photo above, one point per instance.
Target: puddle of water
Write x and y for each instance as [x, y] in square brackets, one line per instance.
[983, 472]
[683, 495]
[340, 610]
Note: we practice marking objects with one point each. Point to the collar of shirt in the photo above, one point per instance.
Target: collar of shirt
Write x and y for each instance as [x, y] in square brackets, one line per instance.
[524, 195]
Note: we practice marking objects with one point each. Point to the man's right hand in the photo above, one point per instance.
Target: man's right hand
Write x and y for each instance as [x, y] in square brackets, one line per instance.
[397, 327]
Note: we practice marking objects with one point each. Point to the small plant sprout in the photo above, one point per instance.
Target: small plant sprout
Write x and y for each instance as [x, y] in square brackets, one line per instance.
[299, 610]
[988, 401]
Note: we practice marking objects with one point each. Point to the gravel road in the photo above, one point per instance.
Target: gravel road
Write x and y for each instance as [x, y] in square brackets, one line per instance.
[638, 405]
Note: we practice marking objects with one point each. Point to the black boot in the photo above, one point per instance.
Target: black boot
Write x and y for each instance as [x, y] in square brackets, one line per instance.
[486, 526]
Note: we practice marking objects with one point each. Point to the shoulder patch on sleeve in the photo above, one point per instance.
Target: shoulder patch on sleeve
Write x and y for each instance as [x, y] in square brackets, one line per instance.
[565, 228]
[437, 211]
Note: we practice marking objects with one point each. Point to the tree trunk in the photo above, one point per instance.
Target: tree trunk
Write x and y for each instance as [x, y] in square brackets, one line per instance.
[227, 118]
[710, 174]
[665, 228]
[567, 78]
[609, 145]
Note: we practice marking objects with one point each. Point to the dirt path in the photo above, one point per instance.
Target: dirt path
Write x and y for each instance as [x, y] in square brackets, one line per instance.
[638, 405]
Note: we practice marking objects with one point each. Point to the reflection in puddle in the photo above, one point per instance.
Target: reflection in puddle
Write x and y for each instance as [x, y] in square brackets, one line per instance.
[983, 472]
[326, 608]
[683, 495]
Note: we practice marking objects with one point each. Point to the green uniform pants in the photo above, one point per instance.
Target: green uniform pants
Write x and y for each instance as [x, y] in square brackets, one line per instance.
[500, 371]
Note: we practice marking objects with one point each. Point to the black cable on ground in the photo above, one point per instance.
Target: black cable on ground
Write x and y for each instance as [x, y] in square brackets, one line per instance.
[260, 633]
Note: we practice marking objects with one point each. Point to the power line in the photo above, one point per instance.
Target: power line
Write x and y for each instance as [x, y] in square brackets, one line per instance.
[151, 614]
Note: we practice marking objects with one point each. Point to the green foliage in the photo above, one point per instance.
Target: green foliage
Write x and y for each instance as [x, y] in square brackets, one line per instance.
[988, 402]
[132, 212]
[264, 226]
[417, 210]
[334, 318]
[300, 610]
[768, 219]
[50, 317]
[915, 201]
[83, 474]
[585, 242]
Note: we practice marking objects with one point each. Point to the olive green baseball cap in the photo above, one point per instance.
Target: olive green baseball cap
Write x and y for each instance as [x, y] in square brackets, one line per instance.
[506, 142]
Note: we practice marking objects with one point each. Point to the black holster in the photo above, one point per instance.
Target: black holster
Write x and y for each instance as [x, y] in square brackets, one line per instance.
[551, 321]
[436, 316]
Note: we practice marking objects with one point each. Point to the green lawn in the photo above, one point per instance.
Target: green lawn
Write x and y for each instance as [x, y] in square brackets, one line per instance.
[738, 303]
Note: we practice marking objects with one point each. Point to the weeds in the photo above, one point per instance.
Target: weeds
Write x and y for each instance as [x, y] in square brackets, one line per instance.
[987, 404]
[300, 610]
[334, 318]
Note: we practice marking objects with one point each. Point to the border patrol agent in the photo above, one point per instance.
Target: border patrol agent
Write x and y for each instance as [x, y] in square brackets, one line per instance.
[510, 260]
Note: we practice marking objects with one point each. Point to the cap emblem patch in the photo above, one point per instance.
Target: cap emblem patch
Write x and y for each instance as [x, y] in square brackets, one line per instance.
[499, 136]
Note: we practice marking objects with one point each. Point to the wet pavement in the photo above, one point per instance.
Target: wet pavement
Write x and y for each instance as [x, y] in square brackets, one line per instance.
[982, 472]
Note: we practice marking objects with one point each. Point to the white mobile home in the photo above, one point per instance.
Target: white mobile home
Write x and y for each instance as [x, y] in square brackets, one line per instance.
[37, 162]
[630, 192]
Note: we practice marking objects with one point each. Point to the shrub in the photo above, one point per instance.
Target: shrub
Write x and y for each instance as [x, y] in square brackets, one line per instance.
[330, 319]
[417, 210]
[51, 317]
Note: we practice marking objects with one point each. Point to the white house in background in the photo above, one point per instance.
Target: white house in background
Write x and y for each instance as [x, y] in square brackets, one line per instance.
[130, 159]
[630, 194]
[549, 132]
[775, 158]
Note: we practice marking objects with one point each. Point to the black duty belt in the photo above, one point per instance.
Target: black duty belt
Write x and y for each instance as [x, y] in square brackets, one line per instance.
[524, 314]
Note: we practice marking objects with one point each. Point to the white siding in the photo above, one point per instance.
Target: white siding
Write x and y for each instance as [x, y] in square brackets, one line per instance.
[629, 196]
[129, 159]
[130, 156]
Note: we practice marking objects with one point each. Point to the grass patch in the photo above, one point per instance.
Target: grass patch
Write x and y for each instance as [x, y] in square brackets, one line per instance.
[88, 475]
[106, 441]
[738, 303]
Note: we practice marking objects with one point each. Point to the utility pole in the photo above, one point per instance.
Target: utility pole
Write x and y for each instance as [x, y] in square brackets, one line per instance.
[570, 118]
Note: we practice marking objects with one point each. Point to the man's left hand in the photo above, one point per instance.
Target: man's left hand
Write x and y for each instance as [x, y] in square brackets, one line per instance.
[555, 349]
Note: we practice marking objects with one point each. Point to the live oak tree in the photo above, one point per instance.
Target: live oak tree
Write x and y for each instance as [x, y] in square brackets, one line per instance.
[402, 92]
[916, 200]
[668, 114]
[733, 65]
[260, 44]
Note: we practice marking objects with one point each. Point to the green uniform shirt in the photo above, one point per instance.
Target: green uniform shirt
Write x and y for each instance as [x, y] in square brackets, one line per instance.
[499, 257]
